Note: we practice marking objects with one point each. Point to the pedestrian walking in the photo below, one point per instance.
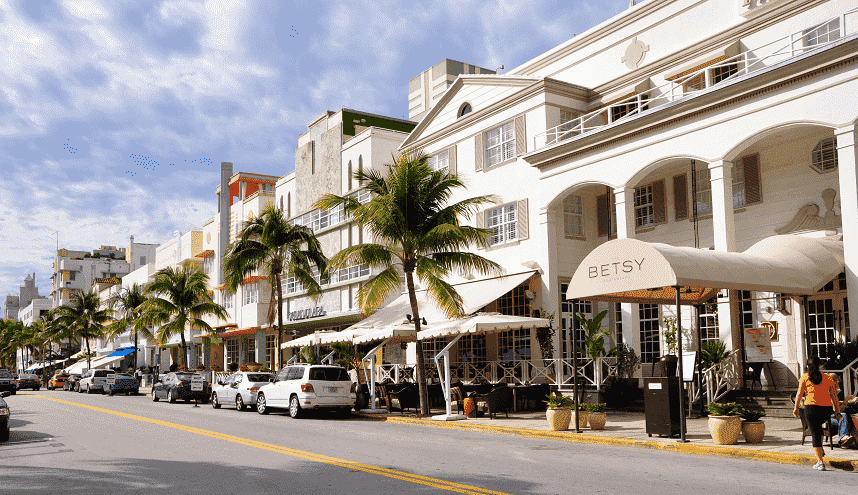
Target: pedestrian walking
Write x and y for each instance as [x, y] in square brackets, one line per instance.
[820, 397]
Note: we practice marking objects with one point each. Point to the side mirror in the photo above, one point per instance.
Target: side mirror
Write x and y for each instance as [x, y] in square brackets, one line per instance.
[220, 382]
[272, 380]
[5, 394]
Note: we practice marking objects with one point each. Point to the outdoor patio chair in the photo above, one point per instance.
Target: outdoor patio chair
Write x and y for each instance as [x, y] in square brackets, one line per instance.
[499, 399]
[405, 398]
[753, 373]
[806, 431]
[457, 395]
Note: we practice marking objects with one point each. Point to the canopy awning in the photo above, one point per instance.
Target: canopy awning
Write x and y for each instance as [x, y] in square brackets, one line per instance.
[392, 335]
[629, 270]
[482, 323]
[476, 294]
[122, 352]
[305, 341]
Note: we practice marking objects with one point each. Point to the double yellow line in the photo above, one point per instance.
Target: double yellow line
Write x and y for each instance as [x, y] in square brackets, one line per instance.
[388, 473]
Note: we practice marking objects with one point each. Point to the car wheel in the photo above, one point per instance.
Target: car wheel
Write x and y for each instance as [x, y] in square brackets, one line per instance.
[215, 403]
[294, 407]
[261, 405]
[154, 396]
[4, 435]
[171, 397]
[78, 389]
[88, 389]
[136, 391]
[37, 388]
[111, 393]
[239, 403]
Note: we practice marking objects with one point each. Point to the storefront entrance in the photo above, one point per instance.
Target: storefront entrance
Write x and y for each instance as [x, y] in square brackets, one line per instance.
[828, 317]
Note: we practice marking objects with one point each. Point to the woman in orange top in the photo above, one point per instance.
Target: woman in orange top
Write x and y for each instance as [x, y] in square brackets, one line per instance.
[820, 397]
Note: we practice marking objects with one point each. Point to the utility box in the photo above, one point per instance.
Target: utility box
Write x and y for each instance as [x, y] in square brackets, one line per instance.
[661, 406]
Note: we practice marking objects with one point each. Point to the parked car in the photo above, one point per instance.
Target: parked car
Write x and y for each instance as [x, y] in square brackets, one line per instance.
[306, 386]
[29, 380]
[72, 382]
[239, 389]
[93, 381]
[8, 382]
[58, 380]
[4, 417]
[177, 386]
[121, 383]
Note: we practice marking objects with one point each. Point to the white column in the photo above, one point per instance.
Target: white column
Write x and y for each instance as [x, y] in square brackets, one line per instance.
[625, 201]
[724, 230]
[847, 168]
[547, 260]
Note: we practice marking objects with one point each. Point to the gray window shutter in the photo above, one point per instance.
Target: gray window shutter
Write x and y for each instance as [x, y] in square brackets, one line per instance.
[451, 160]
[753, 190]
[520, 136]
[680, 197]
[602, 214]
[479, 152]
[658, 202]
[481, 224]
[521, 214]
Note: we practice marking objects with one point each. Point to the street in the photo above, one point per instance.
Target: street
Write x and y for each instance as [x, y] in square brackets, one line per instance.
[74, 443]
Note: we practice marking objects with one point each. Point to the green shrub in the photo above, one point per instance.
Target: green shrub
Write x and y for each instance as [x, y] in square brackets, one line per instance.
[712, 353]
[558, 401]
[724, 409]
[233, 366]
[597, 408]
[751, 414]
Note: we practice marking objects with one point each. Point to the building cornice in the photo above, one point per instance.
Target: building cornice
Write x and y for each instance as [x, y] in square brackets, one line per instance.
[706, 101]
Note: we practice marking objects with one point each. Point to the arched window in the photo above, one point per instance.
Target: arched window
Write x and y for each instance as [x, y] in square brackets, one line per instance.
[350, 175]
[288, 205]
[360, 168]
[281, 203]
[466, 108]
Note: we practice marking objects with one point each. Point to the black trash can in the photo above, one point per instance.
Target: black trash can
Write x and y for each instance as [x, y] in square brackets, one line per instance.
[661, 405]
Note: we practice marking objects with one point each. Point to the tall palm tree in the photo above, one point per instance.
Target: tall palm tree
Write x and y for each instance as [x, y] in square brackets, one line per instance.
[8, 344]
[84, 317]
[416, 233]
[271, 244]
[127, 305]
[179, 299]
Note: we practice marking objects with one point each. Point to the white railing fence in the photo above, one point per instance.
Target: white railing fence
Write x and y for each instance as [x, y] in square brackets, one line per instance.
[849, 377]
[723, 377]
[789, 47]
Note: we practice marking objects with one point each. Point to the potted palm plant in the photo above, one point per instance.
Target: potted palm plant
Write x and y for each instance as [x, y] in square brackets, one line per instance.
[558, 414]
[724, 422]
[669, 361]
[753, 428]
[596, 415]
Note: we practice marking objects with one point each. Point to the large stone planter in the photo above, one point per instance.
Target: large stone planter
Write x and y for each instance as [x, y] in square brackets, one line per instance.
[725, 430]
[582, 422]
[753, 431]
[558, 419]
[597, 420]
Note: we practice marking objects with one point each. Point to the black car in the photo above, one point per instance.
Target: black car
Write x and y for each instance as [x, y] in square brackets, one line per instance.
[8, 383]
[177, 385]
[4, 417]
[28, 380]
[71, 382]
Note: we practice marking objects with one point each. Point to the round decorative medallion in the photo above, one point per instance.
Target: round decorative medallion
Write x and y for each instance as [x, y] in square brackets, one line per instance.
[635, 54]
[208, 238]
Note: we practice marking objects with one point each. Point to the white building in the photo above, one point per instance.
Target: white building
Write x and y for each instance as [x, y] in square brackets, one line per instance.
[709, 125]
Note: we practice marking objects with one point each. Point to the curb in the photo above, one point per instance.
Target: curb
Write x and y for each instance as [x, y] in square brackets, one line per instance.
[569, 436]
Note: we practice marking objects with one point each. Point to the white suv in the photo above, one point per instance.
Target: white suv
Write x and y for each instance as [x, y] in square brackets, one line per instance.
[93, 381]
[308, 386]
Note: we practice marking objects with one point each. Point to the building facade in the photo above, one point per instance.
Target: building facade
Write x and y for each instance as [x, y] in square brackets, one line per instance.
[76, 270]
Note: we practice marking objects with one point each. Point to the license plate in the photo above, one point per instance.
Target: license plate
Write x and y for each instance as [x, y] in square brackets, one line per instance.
[333, 389]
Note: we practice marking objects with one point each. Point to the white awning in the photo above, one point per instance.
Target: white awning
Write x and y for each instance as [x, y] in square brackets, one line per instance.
[305, 341]
[629, 269]
[482, 323]
[393, 335]
[476, 294]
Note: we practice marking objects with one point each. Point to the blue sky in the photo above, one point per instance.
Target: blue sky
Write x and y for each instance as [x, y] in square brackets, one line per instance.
[115, 115]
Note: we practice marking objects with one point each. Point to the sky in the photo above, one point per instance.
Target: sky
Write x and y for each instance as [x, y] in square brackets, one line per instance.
[115, 115]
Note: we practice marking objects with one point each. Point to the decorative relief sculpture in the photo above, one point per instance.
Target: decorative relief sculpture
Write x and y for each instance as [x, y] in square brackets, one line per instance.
[635, 54]
[807, 218]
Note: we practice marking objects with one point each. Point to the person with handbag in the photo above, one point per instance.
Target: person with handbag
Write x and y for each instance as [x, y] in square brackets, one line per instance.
[820, 397]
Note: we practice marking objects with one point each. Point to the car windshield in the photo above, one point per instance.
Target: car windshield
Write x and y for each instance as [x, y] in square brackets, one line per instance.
[259, 377]
[329, 374]
[184, 376]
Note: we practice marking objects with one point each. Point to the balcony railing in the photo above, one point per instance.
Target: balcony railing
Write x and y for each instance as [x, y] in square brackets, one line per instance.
[782, 50]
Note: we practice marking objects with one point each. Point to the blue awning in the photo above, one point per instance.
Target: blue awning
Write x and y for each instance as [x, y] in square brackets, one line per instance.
[122, 351]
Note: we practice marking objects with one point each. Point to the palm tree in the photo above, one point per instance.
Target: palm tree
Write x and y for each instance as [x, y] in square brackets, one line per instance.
[84, 317]
[178, 299]
[271, 244]
[7, 342]
[416, 232]
[129, 303]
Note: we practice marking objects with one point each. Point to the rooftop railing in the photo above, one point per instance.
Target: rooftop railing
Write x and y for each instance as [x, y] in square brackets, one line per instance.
[782, 50]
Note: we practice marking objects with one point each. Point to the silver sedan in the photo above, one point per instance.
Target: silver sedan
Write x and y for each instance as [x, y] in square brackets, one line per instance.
[239, 389]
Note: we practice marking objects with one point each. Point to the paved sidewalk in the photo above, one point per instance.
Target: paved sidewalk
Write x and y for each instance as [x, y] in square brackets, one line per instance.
[782, 442]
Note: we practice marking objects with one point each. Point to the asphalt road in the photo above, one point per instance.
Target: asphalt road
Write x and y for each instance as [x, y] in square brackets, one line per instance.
[98, 444]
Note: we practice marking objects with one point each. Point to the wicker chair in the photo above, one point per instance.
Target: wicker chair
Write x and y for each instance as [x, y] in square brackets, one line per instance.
[405, 398]
[499, 399]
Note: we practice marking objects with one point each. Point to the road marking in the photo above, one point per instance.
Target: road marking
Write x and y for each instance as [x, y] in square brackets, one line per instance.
[367, 468]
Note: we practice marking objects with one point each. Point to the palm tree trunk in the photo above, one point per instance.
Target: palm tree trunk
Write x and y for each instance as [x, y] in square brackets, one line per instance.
[278, 351]
[184, 351]
[421, 372]
[88, 363]
[135, 350]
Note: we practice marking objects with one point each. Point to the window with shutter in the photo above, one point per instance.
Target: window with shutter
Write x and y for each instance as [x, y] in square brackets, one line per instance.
[746, 181]
[504, 223]
[658, 208]
[478, 152]
[680, 197]
[500, 144]
[602, 214]
[824, 156]
[451, 160]
[439, 161]
[520, 143]
[573, 216]
[523, 227]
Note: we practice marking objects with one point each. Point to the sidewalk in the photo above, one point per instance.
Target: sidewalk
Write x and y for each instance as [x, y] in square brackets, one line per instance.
[782, 442]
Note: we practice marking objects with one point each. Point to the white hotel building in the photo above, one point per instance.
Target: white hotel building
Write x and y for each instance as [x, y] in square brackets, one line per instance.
[709, 124]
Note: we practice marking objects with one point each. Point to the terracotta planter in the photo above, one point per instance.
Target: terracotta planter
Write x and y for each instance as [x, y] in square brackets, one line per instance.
[582, 423]
[558, 419]
[470, 406]
[597, 420]
[753, 431]
[725, 430]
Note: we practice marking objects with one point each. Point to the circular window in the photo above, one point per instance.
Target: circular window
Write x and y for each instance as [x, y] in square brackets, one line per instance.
[466, 108]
